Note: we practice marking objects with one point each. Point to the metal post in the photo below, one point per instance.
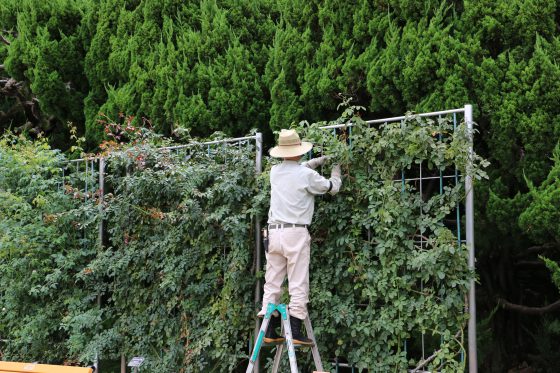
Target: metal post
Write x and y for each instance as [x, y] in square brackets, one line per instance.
[469, 212]
[123, 364]
[101, 196]
[258, 249]
[100, 233]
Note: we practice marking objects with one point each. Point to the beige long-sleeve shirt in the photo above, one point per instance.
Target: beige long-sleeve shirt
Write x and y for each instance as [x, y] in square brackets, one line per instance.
[293, 188]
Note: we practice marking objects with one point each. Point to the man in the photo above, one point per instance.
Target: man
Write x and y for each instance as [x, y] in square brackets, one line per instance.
[293, 188]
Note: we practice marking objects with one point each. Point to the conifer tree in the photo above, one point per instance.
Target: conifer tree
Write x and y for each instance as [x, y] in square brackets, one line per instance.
[179, 64]
[44, 57]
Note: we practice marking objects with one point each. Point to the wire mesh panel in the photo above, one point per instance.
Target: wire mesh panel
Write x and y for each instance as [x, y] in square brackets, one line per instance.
[429, 183]
[427, 186]
[81, 176]
[195, 198]
[80, 179]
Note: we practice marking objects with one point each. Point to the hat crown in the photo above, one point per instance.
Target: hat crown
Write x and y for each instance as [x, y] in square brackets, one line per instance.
[290, 145]
[288, 138]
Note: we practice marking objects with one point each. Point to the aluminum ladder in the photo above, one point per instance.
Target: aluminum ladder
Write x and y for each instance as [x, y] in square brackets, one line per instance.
[287, 330]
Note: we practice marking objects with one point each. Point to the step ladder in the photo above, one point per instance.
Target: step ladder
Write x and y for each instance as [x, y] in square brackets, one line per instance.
[287, 331]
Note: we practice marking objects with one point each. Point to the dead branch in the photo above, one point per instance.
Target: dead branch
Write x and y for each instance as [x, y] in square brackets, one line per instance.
[539, 249]
[529, 263]
[425, 362]
[4, 40]
[11, 87]
[529, 310]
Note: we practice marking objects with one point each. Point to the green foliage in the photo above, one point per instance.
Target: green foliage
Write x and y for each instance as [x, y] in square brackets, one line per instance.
[179, 65]
[42, 248]
[176, 276]
[555, 269]
[374, 286]
[504, 25]
[541, 218]
[48, 53]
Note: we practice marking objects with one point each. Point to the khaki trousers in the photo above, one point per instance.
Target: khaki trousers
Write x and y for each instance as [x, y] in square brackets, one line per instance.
[288, 254]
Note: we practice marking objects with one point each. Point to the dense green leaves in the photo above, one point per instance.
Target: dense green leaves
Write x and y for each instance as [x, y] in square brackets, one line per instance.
[385, 266]
[177, 268]
[43, 246]
[175, 278]
[541, 218]
[47, 53]
[175, 275]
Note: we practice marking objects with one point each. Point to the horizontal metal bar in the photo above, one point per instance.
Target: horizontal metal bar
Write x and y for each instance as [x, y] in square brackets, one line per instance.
[425, 178]
[347, 124]
[209, 142]
[432, 114]
[396, 119]
[83, 159]
[181, 146]
[342, 365]
[424, 241]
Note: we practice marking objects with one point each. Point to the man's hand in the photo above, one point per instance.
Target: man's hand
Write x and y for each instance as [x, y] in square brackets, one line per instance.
[336, 180]
[316, 162]
[335, 172]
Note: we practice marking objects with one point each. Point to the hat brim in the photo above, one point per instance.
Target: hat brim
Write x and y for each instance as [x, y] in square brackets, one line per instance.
[288, 151]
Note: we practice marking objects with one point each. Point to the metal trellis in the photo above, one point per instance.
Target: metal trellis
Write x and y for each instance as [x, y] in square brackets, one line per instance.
[87, 176]
[466, 111]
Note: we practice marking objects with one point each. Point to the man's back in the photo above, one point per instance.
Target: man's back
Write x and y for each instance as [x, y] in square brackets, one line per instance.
[292, 191]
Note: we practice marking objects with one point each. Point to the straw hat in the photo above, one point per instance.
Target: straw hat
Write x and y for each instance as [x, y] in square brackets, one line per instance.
[290, 145]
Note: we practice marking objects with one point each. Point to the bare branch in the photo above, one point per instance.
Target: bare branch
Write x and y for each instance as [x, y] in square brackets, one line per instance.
[4, 40]
[529, 310]
[539, 249]
[10, 87]
[425, 362]
[529, 263]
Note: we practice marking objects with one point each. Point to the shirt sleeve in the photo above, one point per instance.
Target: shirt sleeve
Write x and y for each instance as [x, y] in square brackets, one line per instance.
[315, 162]
[319, 184]
[336, 184]
[335, 179]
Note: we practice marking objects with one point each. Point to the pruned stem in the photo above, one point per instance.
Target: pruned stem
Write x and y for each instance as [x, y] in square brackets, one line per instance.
[4, 40]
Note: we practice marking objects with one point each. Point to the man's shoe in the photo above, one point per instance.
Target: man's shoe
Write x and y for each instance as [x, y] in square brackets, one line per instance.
[271, 336]
[297, 335]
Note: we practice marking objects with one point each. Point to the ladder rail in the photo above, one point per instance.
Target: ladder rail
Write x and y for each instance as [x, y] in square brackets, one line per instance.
[258, 345]
[289, 341]
[277, 358]
[314, 349]
[287, 332]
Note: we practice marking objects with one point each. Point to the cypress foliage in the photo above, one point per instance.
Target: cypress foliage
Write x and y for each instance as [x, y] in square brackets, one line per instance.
[45, 55]
[180, 65]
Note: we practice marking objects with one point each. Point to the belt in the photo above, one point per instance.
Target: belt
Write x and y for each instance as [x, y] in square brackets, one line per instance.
[278, 226]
